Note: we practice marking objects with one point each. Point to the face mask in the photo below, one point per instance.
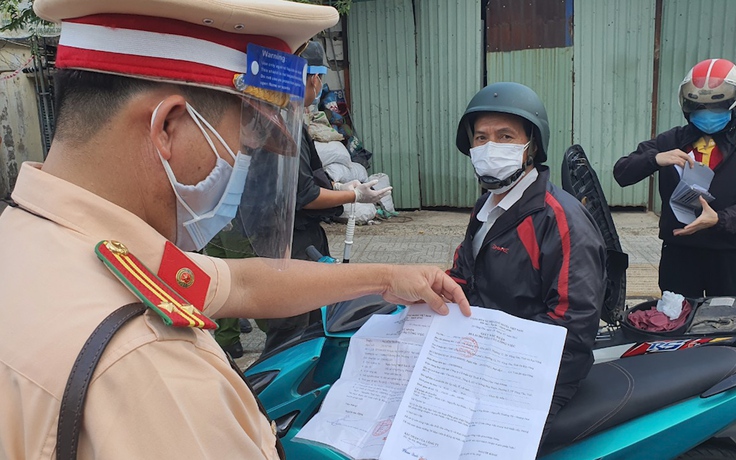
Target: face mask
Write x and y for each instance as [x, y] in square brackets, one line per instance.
[498, 161]
[202, 210]
[710, 121]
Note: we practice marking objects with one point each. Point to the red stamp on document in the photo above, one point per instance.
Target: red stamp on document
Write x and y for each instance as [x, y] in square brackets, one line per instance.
[467, 347]
[382, 427]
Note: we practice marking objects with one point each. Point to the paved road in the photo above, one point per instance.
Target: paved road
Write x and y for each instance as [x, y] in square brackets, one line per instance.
[430, 237]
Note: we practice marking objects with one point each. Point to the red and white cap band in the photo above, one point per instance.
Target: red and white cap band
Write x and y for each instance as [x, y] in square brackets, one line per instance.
[156, 48]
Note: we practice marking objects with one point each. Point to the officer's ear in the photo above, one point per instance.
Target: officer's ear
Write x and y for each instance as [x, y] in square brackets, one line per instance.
[168, 118]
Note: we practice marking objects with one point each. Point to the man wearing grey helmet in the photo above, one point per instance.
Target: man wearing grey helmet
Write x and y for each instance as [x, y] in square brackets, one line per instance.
[531, 249]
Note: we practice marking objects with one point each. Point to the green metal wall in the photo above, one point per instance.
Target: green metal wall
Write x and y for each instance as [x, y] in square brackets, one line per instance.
[548, 72]
[691, 32]
[614, 55]
[414, 65]
[450, 72]
[410, 85]
[383, 86]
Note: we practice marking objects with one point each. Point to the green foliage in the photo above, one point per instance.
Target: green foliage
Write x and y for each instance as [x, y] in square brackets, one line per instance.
[17, 15]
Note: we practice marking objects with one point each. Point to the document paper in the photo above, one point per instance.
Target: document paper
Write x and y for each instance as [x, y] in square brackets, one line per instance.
[694, 183]
[359, 409]
[481, 387]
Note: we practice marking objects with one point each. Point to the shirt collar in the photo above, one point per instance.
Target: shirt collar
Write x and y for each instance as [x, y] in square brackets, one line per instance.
[72, 207]
[511, 198]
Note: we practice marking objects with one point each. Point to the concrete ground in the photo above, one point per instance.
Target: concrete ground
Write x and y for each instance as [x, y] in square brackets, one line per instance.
[430, 237]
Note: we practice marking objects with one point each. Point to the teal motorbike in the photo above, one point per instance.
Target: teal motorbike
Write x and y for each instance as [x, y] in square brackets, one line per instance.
[292, 380]
[649, 405]
[652, 406]
[639, 402]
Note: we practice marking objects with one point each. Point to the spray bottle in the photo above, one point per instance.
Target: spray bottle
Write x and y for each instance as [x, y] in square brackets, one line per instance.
[349, 232]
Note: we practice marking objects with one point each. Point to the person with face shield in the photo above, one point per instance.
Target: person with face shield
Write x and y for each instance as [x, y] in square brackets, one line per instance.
[317, 199]
[697, 256]
[530, 249]
[174, 117]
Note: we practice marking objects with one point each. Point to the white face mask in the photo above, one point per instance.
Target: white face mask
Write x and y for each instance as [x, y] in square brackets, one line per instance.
[498, 161]
[202, 210]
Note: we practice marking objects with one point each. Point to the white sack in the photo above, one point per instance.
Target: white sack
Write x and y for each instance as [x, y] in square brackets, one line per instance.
[333, 152]
[358, 172]
[338, 172]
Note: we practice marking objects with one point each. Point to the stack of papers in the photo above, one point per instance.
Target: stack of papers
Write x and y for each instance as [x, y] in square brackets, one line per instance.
[693, 184]
[419, 385]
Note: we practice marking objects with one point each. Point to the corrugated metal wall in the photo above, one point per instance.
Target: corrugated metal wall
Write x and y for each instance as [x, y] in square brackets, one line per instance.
[548, 72]
[598, 92]
[383, 85]
[691, 32]
[709, 33]
[409, 91]
[20, 133]
[614, 55]
[450, 72]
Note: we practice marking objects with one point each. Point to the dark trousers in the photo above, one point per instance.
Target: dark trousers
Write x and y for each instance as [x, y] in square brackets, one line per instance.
[696, 272]
[311, 234]
[282, 330]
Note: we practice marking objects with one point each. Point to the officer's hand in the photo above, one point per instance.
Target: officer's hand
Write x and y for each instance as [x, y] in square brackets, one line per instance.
[418, 283]
[674, 157]
[365, 194]
[706, 219]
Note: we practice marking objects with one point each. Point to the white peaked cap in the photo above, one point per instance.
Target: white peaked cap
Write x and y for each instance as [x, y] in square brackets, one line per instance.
[198, 42]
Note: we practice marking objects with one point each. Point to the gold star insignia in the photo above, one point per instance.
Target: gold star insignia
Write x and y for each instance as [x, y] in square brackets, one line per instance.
[167, 306]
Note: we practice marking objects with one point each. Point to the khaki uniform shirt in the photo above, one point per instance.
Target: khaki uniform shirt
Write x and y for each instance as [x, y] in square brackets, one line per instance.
[158, 392]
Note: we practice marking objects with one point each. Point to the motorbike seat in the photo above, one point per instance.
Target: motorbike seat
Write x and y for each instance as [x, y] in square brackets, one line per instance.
[620, 390]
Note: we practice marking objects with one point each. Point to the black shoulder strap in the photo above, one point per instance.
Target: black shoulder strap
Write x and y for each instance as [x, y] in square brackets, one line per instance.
[72, 403]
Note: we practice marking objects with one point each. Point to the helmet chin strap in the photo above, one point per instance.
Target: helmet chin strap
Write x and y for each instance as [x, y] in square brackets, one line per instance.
[492, 183]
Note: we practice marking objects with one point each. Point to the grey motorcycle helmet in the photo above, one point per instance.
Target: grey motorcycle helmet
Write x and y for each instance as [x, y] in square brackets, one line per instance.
[506, 97]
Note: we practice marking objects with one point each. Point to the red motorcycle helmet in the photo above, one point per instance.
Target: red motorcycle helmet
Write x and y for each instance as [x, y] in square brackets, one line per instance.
[710, 85]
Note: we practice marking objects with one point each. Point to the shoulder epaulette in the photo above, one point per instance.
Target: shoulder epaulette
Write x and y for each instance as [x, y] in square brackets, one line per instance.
[149, 288]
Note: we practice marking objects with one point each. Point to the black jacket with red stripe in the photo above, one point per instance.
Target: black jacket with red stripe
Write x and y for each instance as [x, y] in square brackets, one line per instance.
[543, 260]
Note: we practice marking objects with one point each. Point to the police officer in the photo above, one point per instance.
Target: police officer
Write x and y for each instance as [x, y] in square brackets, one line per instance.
[163, 125]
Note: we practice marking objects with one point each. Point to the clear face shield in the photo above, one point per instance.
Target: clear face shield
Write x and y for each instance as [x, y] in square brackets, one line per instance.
[270, 135]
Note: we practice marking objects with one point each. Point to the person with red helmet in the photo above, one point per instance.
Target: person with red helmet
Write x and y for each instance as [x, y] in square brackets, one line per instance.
[697, 257]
